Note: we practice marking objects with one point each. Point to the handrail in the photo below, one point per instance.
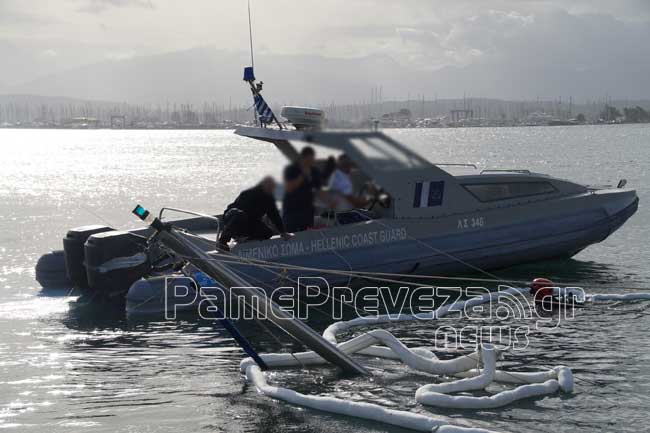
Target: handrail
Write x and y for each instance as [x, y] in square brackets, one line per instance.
[496, 170]
[446, 164]
[190, 212]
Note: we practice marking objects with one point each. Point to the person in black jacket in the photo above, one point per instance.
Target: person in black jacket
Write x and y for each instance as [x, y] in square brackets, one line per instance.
[243, 217]
[301, 180]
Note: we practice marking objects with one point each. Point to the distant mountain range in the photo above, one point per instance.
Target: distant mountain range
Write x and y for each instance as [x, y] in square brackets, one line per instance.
[209, 75]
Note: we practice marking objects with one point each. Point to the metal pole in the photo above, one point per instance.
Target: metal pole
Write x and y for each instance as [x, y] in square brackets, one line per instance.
[250, 34]
[266, 308]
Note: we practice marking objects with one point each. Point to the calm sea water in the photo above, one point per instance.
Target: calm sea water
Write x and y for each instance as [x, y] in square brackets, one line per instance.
[70, 369]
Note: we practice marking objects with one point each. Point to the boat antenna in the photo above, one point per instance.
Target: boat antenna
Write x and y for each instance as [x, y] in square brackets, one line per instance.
[263, 113]
[250, 33]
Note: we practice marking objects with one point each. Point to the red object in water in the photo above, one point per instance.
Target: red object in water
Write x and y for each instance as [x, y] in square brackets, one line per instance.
[541, 288]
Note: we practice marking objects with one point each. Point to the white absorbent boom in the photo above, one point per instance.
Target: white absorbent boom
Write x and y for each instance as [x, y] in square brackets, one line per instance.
[382, 344]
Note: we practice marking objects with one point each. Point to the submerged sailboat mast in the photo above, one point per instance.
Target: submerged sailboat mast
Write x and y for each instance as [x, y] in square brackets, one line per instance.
[262, 305]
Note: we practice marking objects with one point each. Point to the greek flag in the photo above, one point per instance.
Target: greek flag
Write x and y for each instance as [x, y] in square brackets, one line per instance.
[264, 113]
[428, 194]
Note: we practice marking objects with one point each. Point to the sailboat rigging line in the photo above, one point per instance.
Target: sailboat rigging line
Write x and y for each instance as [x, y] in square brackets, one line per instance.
[238, 260]
[451, 256]
[189, 212]
[294, 328]
[327, 295]
[380, 276]
[321, 270]
[365, 275]
[350, 274]
[96, 215]
[262, 283]
[243, 342]
[340, 256]
[439, 251]
[262, 325]
[489, 274]
[277, 340]
[370, 274]
[362, 275]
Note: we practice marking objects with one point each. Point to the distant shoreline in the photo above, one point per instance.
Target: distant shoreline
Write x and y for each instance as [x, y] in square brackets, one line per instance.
[209, 128]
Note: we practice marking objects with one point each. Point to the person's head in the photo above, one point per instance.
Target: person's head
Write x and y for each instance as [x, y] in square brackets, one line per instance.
[308, 156]
[344, 163]
[268, 185]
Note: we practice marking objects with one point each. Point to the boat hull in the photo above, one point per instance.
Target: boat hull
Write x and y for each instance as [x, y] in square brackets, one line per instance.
[450, 245]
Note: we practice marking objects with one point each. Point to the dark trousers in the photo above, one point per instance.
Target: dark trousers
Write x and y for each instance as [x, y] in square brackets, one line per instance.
[238, 224]
[298, 220]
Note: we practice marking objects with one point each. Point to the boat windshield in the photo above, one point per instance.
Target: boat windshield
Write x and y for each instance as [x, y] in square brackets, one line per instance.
[387, 155]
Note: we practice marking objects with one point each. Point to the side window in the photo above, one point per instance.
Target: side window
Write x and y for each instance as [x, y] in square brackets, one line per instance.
[487, 192]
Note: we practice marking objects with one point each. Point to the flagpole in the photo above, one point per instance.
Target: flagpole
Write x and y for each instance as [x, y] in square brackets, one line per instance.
[250, 33]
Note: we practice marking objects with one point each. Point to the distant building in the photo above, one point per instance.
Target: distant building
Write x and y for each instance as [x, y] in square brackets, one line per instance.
[398, 119]
[538, 118]
[81, 123]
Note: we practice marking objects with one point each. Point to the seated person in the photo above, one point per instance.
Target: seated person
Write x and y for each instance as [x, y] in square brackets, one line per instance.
[302, 180]
[243, 217]
[341, 187]
[330, 166]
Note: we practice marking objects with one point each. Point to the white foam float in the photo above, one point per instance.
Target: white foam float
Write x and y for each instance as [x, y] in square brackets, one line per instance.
[622, 297]
[536, 384]
[417, 358]
[369, 411]
[532, 384]
[579, 295]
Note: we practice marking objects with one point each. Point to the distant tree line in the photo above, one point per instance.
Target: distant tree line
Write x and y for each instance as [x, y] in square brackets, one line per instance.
[629, 115]
[636, 115]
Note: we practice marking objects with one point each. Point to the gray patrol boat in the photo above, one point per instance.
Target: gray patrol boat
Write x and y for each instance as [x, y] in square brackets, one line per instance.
[421, 219]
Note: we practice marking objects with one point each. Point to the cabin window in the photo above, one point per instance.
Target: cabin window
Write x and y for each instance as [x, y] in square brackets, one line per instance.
[486, 192]
[387, 156]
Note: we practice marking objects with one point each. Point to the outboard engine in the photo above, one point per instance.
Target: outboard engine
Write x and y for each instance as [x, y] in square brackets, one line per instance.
[114, 261]
[50, 271]
[73, 252]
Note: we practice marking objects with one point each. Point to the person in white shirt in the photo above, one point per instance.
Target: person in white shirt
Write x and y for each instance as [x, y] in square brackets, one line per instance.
[340, 185]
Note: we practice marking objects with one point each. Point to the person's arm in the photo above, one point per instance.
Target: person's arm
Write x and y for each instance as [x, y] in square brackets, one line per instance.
[356, 201]
[274, 215]
[342, 183]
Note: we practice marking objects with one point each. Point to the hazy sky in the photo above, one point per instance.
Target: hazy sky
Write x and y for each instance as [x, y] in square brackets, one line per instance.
[38, 37]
